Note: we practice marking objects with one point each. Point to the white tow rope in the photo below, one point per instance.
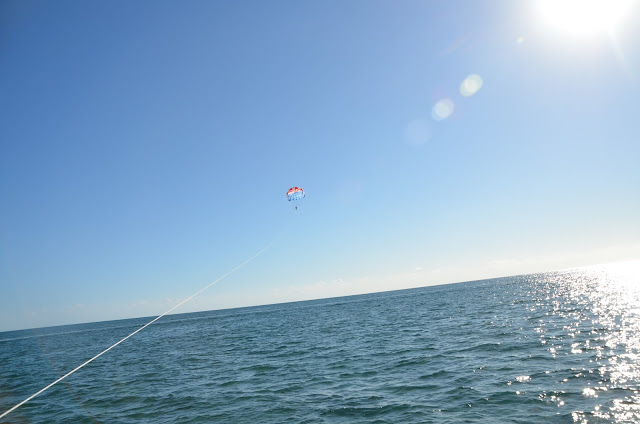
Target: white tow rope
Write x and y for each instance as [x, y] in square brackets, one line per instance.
[139, 329]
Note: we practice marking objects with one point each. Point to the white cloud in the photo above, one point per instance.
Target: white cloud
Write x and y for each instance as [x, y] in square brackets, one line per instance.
[227, 297]
[420, 276]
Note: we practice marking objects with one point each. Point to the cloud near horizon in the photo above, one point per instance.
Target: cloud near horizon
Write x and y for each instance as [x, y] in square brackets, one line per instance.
[222, 297]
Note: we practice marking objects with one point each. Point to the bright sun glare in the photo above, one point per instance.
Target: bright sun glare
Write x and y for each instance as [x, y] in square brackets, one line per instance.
[583, 17]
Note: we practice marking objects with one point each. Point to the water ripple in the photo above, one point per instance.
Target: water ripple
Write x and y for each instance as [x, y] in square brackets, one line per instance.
[554, 348]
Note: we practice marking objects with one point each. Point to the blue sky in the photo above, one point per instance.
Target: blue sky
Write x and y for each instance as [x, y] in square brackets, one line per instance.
[146, 148]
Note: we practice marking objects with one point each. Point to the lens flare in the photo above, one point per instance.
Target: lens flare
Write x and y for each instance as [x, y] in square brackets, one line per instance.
[442, 109]
[471, 85]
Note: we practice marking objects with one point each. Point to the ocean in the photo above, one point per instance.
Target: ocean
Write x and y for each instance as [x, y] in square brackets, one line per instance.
[558, 347]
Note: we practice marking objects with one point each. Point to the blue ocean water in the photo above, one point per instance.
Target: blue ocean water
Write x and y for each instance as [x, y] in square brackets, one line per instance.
[555, 348]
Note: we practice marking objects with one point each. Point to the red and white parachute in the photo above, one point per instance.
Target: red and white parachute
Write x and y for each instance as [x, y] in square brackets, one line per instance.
[295, 193]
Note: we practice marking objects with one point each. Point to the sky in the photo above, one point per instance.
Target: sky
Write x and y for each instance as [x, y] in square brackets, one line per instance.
[146, 148]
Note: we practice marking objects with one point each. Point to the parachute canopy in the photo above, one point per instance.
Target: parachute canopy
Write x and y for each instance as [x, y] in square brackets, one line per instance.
[295, 193]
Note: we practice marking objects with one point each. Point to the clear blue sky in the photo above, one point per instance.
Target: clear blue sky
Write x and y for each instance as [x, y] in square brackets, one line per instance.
[146, 148]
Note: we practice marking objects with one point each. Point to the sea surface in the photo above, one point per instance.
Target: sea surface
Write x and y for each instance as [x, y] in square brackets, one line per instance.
[557, 347]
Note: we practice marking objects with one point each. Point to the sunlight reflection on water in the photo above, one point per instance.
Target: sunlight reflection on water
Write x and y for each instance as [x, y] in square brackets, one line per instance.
[599, 312]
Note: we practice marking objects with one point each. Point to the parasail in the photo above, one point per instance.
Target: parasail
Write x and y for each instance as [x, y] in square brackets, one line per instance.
[295, 193]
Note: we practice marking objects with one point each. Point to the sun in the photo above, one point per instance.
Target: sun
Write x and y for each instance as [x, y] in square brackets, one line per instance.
[584, 17]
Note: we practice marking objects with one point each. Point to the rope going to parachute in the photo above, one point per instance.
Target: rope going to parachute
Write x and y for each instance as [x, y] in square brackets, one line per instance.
[138, 330]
